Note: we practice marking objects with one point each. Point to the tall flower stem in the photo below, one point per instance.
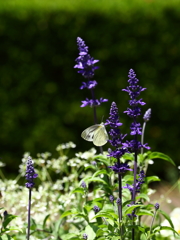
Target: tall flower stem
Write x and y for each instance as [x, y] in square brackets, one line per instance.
[94, 107]
[29, 214]
[142, 136]
[120, 197]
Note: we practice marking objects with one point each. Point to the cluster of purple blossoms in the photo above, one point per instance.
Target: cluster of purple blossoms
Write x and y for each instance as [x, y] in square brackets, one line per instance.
[115, 133]
[116, 140]
[120, 168]
[93, 103]
[86, 65]
[134, 91]
[30, 174]
[139, 182]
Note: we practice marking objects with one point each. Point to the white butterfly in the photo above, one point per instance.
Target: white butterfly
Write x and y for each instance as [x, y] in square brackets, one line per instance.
[96, 134]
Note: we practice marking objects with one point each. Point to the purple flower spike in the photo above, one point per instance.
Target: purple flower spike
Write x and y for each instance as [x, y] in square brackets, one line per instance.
[120, 168]
[134, 91]
[30, 173]
[115, 133]
[85, 62]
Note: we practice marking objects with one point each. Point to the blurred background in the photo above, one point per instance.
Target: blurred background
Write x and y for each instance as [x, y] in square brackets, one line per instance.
[39, 88]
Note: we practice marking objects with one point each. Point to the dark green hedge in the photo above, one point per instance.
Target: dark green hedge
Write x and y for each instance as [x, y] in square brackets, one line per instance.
[39, 89]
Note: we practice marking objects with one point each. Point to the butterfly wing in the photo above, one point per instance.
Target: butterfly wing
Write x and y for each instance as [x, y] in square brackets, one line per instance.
[88, 133]
[100, 136]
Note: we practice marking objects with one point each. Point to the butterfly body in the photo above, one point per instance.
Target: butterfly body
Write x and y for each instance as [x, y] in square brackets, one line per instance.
[97, 134]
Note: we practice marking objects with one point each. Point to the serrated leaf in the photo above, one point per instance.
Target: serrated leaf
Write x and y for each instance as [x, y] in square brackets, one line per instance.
[160, 155]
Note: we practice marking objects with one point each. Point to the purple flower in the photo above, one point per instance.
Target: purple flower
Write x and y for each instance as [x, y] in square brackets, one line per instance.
[88, 85]
[156, 206]
[86, 65]
[83, 185]
[134, 91]
[147, 115]
[30, 173]
[120, 168]
[135, 145]
[139, 182]
[118, 201]
[94, 163]
[93, 103]
[85, 62]
[96, 209]
[111, 198]
[85, 236]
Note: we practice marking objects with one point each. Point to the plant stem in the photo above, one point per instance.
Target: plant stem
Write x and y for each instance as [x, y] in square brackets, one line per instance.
[29, 214]
[120, 205]
[134, 188]
[142, 136]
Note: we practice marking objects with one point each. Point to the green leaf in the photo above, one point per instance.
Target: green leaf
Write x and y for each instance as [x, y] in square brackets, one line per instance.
[90, 167]
[160, 228]
[45, 219]
[103, 214]
[152, 179]
[144, 212]
[97, 179]
[69, 212]
[90, 232]
[78, 190]
[167, 217]
[163, 156]
[143, 196]
[128, 156]
[103, 171]
[8, 219]
[103, 159]
[131, 208]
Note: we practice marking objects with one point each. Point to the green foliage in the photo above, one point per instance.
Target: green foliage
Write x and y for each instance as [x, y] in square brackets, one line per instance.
[61, 208]
[39, 91]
